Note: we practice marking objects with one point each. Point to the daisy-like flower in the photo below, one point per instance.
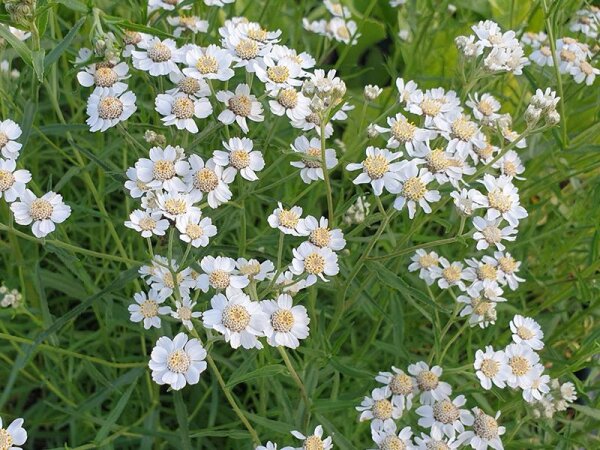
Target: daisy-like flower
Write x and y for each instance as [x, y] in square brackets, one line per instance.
[237, 318]
[436, 105]
[522, 361]
[130, 41]
[491, 367]
[449, 274]
[508, 268]
[289, 101]
[220, 273]
[463, 201]
[43, 212]
[320, 235]
[211, 180]
[195, 229]
[336, 9]
[311, 165]
[536, 386]
[287, 324]
[480, 309]
[510, 165]
[486, 432]
[400, 386]
[435, 441]
[429, 384]
[403, 132]
[287, 220]
[446, 415]
[13, 436]
[245, 52]
[105, 110]
[413, 189]
[286, 283]
[12, 181]
[240, 156]
[161, 278]
[485, 108]
[147, 308]
[157, 57]
[174, 205]
[463, 135]
[211, 63]
[180, 109]
[188, 85]
[165, 169]
[379, 170]
[483, 274]
[388, 437]
[542, 56]
[315, 262]
[304, 59]
[240, 107]
[177, 362]
[584, 72]
[192, 24]
[106, 77]
[423, 262]
[184, 311]
[314, 441]
[9, 131]
[136, 187]
[406, 90]
[501, 200]
[270, 446]
[280, 74]
[527, 331]
[255, 270]
[256, 32]
[147, 223]
[443, 165]
[343, 31]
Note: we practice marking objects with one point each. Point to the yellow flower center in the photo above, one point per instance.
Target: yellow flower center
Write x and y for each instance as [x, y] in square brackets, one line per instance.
[159, 52]
[105, 77]
[189, 85]
[163, 169]
[525, 333]
[545, 50]
[437, 161]
[236, 318]
[110, 108]
[184, 313]
[427, 380]
[241, 105]
[431, 107]
[251, 269]
[247, 49]
[401, 384]
[149, 309]
[3, 139]
[445, 412]
[282, 320]
[40, 209]
[485, 426]
[288, 98]
[179, 362]
[490, 368]
[487, 272]
[567, 55]
[519, 365]
[320, 237]
[486, 107]
[187, 21]
[452, 273]
[132, 37]
[147, 224]
[463, 129]
[480, 307]
[288, 219]
[175, 206]
[194, 231]
[414, 189]
[206, 180]
[586, 67]
[376, 166]
[485, 152]
[343, 32]
[7, 179]
[207, 64]
[507, 264]
[240, 159]
[492, 234]
[6, 440]
[314, 263]
[427, 260]
[499, 200]
[382, 409]
[219, 279]
[278, 74]
[403, 130]
[392, 443]
[314, 162]
[258, 34]
[183, 108]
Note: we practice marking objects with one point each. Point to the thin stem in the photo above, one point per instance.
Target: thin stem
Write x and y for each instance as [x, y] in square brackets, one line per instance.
[296, 377]
[326, 174]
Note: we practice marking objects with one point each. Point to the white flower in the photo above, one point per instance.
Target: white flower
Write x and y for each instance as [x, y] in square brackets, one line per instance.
[240, 157]
[220, 273]
[287, 220]
[157, 57]
[450, 274]
[424, 262]
[379, 170]
[289, 101]
[191, 23]
[287, 324]
[510, 165]
[435, 440]
[379, 409]
[436, 105]
[9, 131]
[535, 387]
[13, 436]
[311, 167]
[314, 441]
[211, 63]
[210, 179]
[481, 309]
[245, 52]
[165, 169]
[184, 311]
[44, 212]
[413, 189]
[130, 41]
[195, 229]
[105, 110]
[443, 165]
[168, 5]
[161, 278]
[486, 432]
[255, 270]
[336, 8]
[107, 79]
[527, 331]
[147, 308]
[343, 31]
[173, 204]
[463, 135]
[188, 85]
[463, 201]
[485, 108]
[177, 362]
[400, 386]
[240, 106]
[371, 92]
[508, 267]
[522, 361]
[403, 132]
[285, 281]
[270, 446]
[387, 437]
[315, 262]
[278, 74]
[501, 200]
[147, 223]
[542, 56]
[180, 109]
[584, 72]
[428, 383]
[320, 235]
[12, 181]
[490, 234]
[237, 318]
[407, 90]
[446, 415]
[491, 367]
[134, 185]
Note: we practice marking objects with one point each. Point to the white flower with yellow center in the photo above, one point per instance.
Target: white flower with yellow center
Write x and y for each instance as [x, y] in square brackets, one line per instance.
[136, 187]
[165, 169]
[428, 383]
[423, 262]
[483, 274]
[304, 59]
[508, 267]
[174, 205]
[188, 85]
[147, 308]
[491, 367]
[406, 91]
[291, 102]
[379, 169]
[311, 164]
[106, 77]
[180, 109]
[435, 441]
[485, 433]
[446, 415]
[245, 52]
[485, 108]
[463, 201]
[489, 233]
[43, 212]
[379, 409]
[220, 273]
[240, 320]
[345, 31]
[9, 131]
[401, 386]
[536, 387]
[240, 157]
[193, 24]
[195, 229]
[280, 74]
[156, 265]
[449, 274]
[12, 181]
[168, 5]
[210, 180]
[105, 110]
[13, 436]
[480, 308]
[314, 441]
[405, 133]
[320, 235]
[240, 106]
[542, 56]
[147, 223]
[162, 279]
[157, 57]
[288, 221]
[130, 41]
[527, 331]
[210, 63]
[287, 324]
[413, 189]
[501, 200]
[436, 105]
[388, 438]
[256, 32]
[314, 262]
[286, 283]
[443, 165]
[510, 165]
[255, 270]
[177, 362]
[337, 9]
[463, 135]
[522, 361]
[583, 71]
[184, 312]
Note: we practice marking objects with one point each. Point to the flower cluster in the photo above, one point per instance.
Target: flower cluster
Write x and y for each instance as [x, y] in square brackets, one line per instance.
[309, 442]
[339, 27]
[10, 298]
[586, 22]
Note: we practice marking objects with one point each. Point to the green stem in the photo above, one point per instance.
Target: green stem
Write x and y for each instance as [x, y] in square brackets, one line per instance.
[297, 379]
[326, 173]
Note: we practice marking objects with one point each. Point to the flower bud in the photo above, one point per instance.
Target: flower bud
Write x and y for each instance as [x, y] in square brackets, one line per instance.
[552, 117]
[371, 92]
[532, 115]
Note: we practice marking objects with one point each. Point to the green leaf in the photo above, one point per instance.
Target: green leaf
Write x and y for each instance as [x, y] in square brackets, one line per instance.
[38, 63]
[182, 419]
[127, 25]
[22, 50]
[114, 415]
[64, 44]
[588, 411]
[74, 5]
[266, 371]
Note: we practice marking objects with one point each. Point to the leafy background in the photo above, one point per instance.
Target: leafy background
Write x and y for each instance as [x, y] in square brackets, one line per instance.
[75, 367]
